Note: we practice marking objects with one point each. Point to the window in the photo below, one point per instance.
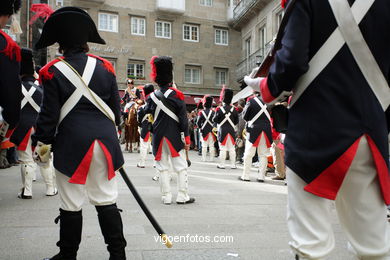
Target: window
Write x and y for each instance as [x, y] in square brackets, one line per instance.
[221, 37]
[136, 70]
[59, 2]
[278, 19]
[192, 75]
[221, 77]
[191, 33]
[137, 26]
[247, 47]
[163, 29]
[206, 2]
[262, 40]
[108, 22]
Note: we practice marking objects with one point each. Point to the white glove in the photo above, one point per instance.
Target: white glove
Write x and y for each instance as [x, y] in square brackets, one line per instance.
[254, 83]
[42, 153]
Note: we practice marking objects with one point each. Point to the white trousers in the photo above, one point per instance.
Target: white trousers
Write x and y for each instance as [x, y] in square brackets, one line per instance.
[223, 149]
[262, 150]
[145, 147]
[98, 188]
[28, 172]
[360, 209]
[210, 144]
[179, 166]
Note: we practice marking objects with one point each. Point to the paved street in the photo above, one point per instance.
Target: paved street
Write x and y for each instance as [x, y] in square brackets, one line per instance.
[253, 214]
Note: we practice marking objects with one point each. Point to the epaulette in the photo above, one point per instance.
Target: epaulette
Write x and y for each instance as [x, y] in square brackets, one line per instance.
[178, 93]
[44, 73]
[12, 49]
[106, 64]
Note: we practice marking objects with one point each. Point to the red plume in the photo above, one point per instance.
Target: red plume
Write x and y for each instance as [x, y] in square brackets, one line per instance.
[283, 3]
[222, 93]
[41, 11]
[153, 71]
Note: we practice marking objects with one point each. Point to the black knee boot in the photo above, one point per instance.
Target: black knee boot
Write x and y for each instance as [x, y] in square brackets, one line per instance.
[71, 223]
[112, 228]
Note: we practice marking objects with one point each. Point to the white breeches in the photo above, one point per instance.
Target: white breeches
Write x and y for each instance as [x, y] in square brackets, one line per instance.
[210, 144]
[360, 209]
[98, 188]
[223, 149]
[263, 152]
[179, 166]
[145, 147]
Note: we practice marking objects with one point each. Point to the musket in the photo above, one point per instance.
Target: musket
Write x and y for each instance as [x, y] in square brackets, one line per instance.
[145, 209]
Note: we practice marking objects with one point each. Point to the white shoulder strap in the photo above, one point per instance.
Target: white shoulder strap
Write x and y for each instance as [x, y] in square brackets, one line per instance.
[360, 50]
[28, 98]
[161, 106]
[263, 109]
[207, 119]
[328, 51]
[81, 85]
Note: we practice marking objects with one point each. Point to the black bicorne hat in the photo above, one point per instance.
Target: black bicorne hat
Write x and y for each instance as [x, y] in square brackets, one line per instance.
[228, 96]
[209, 102]
[69, 26]
[9, 7]
[27, 65]
[148, 88]
[162, 68]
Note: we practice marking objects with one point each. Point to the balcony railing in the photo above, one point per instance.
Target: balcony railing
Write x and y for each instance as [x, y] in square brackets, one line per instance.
[245, 8]
[246, 66]
[171, 6]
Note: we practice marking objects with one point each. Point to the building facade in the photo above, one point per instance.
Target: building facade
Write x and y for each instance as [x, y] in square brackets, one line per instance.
[258, 21]
[195, 33]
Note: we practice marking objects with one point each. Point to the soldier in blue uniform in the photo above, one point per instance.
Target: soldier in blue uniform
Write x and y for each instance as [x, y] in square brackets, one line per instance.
[205, 124]
[145, 126]
[170, 130]
[258, 136]
[226, 118]
[337, 136]
[10, 57]
[21, 137]
[80, 109]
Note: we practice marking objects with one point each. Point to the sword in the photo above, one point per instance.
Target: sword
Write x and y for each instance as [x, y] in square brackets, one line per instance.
[145, 209]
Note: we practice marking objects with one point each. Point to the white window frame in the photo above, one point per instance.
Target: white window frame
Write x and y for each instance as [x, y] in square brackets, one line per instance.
[221, 37]
[218, 81]
[278, 19]
[137, 65]
[138, 25]
[262, 38]
[192, 79]
[60, 3]
[248, 47]
[109, 15]
[206, 3]
[191, 28]
[163, 24]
